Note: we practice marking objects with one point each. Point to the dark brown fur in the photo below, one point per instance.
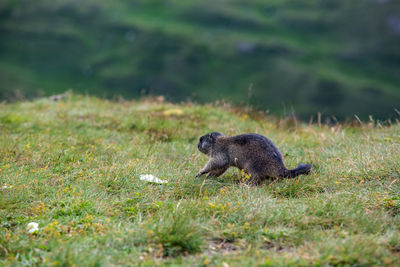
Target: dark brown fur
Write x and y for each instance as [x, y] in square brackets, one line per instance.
[253, 153]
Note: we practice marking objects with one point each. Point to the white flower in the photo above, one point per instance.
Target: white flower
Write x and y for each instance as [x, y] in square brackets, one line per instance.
[152, 179]
[6, 186]
[32, 228]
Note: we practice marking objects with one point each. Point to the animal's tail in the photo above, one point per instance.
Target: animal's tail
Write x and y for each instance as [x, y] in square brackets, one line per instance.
[301, 169]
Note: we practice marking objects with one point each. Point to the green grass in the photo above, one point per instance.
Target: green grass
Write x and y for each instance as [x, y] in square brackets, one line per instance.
[74, 167]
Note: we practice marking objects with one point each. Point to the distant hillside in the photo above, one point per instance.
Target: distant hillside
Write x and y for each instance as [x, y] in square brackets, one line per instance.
[334, 56]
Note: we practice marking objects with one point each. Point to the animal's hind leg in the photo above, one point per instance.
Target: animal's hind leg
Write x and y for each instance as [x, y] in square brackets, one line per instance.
[216, 173]
[254, 180]
[253, 170]
[255, 177]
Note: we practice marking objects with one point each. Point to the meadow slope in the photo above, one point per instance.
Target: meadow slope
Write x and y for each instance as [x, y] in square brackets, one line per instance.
[73, 167]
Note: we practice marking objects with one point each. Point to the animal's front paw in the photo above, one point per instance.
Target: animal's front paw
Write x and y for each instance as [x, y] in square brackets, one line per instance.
[211, 175]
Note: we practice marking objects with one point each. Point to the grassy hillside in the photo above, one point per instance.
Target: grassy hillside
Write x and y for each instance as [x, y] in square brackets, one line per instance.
[74, 167]
[332, 56]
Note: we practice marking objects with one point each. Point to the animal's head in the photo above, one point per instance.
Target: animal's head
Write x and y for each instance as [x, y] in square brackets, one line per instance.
[206, 142]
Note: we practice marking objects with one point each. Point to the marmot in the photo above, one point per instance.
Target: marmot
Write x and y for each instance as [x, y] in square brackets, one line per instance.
[253, 153]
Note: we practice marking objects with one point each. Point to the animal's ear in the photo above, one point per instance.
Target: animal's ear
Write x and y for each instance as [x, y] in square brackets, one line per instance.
[215, 135]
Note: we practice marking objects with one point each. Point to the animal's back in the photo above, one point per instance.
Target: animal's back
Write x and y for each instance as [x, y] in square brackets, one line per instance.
[258, 154]
[256, 142]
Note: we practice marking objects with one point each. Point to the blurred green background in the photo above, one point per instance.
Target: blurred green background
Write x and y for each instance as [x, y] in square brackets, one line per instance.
[338, 57]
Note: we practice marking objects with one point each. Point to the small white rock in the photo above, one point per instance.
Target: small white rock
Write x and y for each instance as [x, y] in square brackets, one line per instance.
[152, 179]
[32, 228]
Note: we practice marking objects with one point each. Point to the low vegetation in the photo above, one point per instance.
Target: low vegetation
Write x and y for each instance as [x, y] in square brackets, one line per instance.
[73, 167]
